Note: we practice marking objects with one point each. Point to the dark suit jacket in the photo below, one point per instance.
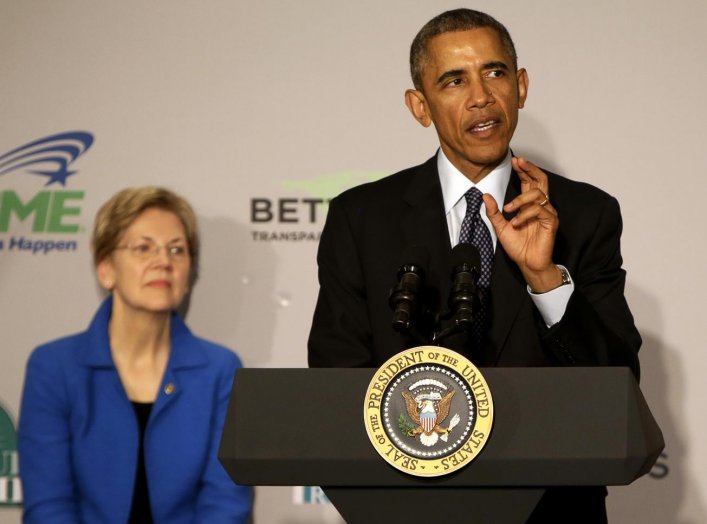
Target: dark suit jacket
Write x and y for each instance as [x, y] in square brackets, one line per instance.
[366, 232]
[368, 228]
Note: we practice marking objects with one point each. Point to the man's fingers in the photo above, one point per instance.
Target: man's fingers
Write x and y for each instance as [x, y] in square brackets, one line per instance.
[525, 167]
[545, 214]
[527, 212]
[530, 174]
[493, 213]
[531, 197]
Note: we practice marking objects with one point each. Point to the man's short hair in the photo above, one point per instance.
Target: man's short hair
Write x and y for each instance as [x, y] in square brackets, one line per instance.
[449, 22]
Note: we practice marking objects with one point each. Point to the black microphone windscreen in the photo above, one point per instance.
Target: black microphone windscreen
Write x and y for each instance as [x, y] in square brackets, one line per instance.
[468, 254]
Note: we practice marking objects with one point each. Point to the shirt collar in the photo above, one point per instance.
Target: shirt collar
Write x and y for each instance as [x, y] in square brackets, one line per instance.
[455, 184]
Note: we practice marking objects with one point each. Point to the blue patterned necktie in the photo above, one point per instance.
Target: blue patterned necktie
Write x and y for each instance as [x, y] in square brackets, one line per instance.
[475, 232]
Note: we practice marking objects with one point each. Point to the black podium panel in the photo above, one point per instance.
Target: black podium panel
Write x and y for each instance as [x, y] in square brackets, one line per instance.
[553, 426]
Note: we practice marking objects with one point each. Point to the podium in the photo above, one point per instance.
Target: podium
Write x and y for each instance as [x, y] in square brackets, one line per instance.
[553, 427]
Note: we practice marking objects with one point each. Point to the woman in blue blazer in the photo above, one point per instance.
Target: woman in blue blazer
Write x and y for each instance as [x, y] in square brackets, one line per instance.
[122, 423]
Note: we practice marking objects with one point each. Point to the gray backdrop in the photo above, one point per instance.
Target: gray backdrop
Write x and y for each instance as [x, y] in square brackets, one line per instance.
[226, 102]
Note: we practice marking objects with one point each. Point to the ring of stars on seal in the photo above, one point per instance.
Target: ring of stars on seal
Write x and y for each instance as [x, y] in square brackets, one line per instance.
[391, 422]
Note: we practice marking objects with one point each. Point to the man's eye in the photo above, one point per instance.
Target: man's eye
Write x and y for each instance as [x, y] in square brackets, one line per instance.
[455, 82]
[496, 73]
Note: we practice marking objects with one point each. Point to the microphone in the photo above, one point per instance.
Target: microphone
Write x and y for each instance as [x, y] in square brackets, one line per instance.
[403, 297]
[464, 296]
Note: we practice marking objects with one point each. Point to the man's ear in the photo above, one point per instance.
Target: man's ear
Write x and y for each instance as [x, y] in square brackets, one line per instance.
[523, 80]
[417, 104]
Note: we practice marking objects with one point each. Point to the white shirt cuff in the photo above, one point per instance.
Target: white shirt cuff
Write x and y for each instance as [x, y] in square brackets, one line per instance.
[552, 305]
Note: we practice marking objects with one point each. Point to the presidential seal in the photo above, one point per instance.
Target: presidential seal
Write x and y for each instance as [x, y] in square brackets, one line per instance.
[428, 411]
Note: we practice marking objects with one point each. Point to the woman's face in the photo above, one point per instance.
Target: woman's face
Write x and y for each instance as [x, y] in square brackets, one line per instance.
[149, 270]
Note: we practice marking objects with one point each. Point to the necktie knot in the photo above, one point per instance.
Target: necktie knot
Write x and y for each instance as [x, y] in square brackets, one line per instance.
[473, 201]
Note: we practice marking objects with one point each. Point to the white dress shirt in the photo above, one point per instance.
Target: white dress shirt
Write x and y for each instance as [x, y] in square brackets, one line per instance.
[552, 305]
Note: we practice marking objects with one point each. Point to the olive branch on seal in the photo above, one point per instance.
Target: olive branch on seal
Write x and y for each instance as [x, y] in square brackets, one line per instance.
[406, 427]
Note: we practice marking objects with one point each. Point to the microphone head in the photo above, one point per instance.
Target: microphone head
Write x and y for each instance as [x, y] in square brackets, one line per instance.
[415, 259]
[403, 297]
[465, 257]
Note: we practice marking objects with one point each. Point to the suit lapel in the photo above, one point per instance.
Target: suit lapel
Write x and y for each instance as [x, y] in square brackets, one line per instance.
[508, 289]
[424, 223]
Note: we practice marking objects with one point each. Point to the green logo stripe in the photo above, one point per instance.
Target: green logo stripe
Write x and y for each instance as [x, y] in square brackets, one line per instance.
[10, 489]
[8, 438]
[328, 186]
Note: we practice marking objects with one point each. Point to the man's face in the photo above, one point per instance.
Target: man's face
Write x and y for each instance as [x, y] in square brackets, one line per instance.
[471, 93]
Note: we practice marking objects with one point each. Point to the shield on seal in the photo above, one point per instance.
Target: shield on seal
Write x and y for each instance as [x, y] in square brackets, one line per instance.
[428, 420]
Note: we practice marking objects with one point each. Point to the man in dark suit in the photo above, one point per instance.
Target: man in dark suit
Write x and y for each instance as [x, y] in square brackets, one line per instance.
[556, 282]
